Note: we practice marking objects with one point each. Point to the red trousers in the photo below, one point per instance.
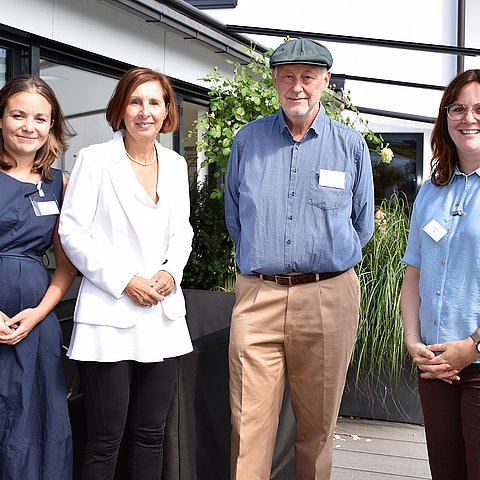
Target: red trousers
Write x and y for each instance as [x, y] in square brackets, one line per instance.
[452, 425]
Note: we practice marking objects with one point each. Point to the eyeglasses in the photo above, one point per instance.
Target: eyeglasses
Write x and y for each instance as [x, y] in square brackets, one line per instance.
[457, 111]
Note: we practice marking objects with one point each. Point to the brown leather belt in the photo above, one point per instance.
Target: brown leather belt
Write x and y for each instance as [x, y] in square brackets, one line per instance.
[289, 280]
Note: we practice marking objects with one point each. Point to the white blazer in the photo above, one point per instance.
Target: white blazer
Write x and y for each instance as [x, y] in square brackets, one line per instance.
[98, 232]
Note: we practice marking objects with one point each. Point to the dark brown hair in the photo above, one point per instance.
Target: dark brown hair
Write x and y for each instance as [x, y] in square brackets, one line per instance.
[60, 130]
[128, 83]
[444, 151]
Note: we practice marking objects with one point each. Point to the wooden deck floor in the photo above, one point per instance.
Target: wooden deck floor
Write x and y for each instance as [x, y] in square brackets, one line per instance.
[376, 450]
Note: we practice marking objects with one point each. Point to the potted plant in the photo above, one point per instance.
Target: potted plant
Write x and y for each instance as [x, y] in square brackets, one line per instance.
[381, 381]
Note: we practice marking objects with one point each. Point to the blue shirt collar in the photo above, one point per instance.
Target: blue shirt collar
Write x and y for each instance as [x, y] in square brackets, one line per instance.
[459, 172]
[315, 126]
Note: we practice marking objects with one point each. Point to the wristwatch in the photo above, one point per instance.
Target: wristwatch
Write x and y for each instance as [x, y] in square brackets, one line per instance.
[476, 338]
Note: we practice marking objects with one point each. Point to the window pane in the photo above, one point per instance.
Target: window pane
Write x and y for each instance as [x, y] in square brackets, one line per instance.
[401, 174]
[3, 67]
[191, 113]
[83, 97]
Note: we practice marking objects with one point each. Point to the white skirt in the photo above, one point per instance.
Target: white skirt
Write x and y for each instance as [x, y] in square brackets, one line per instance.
[151, 339]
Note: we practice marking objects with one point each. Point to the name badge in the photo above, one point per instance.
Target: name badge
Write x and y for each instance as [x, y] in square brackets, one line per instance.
[44, 205]
[434, 230]
[331, 178]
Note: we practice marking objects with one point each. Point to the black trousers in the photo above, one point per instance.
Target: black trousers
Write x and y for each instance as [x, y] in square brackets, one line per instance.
[122, 395]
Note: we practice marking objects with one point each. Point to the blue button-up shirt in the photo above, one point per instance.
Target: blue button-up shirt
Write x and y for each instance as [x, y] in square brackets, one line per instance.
[449, 266]
[298, 206]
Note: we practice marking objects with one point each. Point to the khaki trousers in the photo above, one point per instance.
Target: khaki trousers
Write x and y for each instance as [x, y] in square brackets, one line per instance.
[304, 333]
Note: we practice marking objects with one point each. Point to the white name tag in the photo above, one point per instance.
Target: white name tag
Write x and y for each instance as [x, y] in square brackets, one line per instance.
[331, 178]
[48, 208]
[44, 204]
[434, 230]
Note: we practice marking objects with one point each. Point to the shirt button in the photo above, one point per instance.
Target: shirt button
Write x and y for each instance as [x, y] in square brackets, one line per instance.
[435, 322]
[293, 194]
[457, 204]
[437, 292]
[294, 170]
[289, 242]
[290, 217]
[443, 262]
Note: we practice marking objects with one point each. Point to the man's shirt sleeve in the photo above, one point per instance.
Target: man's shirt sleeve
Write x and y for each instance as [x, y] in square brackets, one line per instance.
[232, 217]
[363, 197]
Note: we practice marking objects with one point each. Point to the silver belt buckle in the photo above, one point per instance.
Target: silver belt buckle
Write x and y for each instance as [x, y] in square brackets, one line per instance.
[283, 277]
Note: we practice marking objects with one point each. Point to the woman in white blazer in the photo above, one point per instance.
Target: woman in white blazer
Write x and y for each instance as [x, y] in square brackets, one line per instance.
[125, 226]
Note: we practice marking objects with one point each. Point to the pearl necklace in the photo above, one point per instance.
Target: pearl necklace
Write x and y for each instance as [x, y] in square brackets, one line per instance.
[134, 160]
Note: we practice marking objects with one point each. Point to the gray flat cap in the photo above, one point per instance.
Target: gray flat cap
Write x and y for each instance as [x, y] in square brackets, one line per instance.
[301, 50]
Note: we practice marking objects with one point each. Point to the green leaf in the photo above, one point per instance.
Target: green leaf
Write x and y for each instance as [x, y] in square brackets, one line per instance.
[240, 111]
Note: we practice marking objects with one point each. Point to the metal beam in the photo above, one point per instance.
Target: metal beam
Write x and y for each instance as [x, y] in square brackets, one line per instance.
[399, 115]
[460, 33]
[373, 42]
[396, 83]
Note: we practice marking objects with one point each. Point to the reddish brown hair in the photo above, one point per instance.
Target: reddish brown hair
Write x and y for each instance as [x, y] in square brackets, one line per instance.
[60, 130]
[444, 151]
[128, 83]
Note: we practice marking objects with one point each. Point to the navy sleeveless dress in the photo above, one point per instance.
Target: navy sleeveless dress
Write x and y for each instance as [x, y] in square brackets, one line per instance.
[35, 436]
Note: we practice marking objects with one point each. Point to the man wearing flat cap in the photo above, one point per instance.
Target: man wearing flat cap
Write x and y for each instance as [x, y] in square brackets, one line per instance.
[299, 207]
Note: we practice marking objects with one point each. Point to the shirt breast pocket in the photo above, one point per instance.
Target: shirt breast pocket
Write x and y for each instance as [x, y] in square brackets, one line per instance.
[324, 197]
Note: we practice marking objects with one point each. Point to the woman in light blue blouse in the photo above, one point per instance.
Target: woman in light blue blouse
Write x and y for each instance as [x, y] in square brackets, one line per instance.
[441, 288]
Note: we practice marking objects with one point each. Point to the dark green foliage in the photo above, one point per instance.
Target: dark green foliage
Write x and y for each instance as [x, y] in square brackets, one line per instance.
[211, 262]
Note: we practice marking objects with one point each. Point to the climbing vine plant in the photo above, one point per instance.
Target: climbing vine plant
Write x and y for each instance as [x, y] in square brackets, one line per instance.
[249, 94]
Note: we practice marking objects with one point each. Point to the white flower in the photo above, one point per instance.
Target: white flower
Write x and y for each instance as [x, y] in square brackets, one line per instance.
[386, 155]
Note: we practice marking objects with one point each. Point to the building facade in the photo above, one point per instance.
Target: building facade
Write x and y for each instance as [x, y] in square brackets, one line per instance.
[82, 47]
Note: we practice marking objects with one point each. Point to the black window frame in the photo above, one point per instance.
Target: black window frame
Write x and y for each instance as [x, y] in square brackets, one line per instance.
[25, 51]
[206, 4]
[418, 138]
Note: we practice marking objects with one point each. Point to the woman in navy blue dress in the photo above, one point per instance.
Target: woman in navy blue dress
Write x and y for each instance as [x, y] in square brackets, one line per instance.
[35, 436]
